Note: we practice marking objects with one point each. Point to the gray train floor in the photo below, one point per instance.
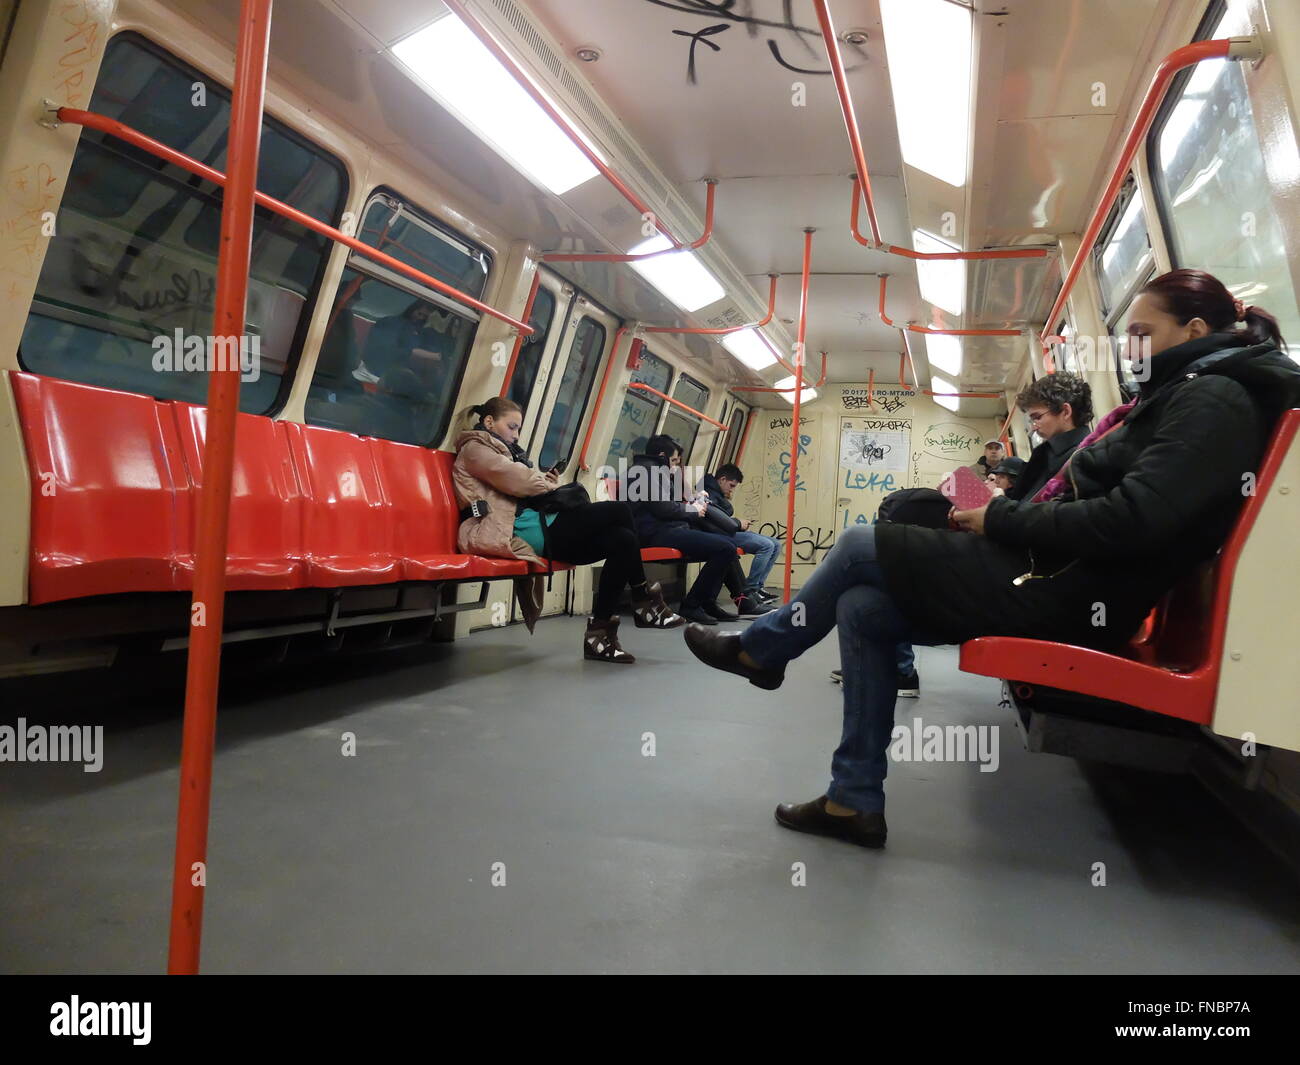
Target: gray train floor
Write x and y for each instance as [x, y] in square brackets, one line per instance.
[507, 749]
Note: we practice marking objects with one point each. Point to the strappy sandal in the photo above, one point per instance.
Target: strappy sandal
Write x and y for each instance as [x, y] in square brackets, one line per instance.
[653, 613]
[600, 642]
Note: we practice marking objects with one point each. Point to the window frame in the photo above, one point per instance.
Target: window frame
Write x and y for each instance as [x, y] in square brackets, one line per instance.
[670, 408]
[589, 314]
[646, 353]
[1112, 316]
[312, 297]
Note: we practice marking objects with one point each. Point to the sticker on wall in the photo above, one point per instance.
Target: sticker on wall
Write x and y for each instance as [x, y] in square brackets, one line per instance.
[874, 444]
[949, 440]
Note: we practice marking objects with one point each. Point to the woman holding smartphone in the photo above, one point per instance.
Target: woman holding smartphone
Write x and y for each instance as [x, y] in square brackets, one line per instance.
[493, 480]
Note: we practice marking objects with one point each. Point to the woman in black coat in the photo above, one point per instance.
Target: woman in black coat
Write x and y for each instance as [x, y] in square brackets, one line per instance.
[1153, 498]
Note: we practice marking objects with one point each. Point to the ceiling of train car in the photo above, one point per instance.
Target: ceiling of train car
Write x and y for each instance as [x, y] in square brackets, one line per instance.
[707, 90]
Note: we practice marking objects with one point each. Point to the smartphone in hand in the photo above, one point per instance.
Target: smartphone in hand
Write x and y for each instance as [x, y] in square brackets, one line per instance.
[559, 467]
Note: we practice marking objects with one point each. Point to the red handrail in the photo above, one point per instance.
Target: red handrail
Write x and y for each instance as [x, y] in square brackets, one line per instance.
[771, 309]
[941, 332]
[615, 257]
[642, 387]
[540, 98]
[123, 132]
[207, 609]
[798, 396]
[1188, 55]
[817, 384]
[862, 177]
[744, 437]
[600, 393]
[519, 337]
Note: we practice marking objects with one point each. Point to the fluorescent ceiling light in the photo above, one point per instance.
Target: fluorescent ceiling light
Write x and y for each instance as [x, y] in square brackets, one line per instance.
[944, 353]
[680, 276]
[467, 79]
[928, 43]
[750, 348]
[944, 392]
[942, 281]
[806, 396]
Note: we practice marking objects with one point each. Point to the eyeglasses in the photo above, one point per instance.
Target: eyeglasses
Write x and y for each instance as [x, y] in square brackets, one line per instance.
[1035, 418]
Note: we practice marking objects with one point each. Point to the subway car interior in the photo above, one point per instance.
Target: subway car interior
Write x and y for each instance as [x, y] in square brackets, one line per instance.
[299, 291]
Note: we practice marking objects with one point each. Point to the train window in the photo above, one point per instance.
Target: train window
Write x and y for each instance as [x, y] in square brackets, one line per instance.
[395, 350]
[571, 397]
[530, 353]
[125, 296]
[640, 413]
[1212, 185]
[735, 430]
[1123, 253]
[683, 427]
[1123, 262]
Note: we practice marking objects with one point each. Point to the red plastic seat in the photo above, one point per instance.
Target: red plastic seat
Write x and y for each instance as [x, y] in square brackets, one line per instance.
[1174, 668]
[104, 471]
[659, 554]
[417, 482]
[264, 547]
[347, 522]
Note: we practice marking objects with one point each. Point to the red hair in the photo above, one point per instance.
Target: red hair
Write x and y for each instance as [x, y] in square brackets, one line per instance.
[1188, 294]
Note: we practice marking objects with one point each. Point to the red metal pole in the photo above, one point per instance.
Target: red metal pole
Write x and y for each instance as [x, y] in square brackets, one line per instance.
[616, 257]
[1172, 63]
[123, 132]
[600, 398]
[642, 387]
[526, 83]
[208, 604]
[519, 337]
[798, 395]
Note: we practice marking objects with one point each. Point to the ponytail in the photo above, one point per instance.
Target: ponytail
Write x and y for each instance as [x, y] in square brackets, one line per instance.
[496, 407]
[1188, 294]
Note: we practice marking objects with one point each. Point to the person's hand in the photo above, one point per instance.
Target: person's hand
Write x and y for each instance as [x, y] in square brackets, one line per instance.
[745, 523]
[701, 508]
[969, 520]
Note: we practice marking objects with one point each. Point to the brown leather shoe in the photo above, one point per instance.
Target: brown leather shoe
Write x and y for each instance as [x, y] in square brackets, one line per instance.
[721, 650]
[866, 830]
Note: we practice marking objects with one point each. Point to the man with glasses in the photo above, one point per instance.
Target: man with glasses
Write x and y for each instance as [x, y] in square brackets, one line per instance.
[1059, 407]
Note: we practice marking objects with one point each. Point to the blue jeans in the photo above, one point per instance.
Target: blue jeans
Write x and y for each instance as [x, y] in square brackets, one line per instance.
[713, 549]
[764, 549]
[847, 589]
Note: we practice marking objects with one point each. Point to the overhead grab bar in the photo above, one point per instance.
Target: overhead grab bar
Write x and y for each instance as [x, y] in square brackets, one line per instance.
[617, 257]
[941, 332]
[123, 132]
[862, 177]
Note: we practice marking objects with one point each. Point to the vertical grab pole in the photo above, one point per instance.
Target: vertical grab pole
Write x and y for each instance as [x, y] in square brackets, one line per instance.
[798, 395]
[207, 605]
[519, 336]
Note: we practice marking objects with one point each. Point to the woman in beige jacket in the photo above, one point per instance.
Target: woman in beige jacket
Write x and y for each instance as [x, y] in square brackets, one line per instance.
[491, 470]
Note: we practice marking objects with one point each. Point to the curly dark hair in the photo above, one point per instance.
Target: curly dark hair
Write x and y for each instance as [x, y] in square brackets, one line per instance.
[1056, 390]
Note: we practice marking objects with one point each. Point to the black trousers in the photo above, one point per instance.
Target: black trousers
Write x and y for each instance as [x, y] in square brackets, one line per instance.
[594, 532]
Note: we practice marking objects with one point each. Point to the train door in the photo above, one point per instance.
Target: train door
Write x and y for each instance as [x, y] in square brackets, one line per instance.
[553, 436]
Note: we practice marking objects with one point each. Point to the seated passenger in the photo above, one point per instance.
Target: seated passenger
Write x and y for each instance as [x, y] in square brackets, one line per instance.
[402, 341]
[1158, 495]
[1059, 407]
[751, 600]
[665, 518]
[490, 468]
[1005, 474]
[993, 454]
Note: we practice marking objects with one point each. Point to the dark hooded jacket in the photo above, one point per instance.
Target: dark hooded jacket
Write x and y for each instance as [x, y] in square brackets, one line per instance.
[721, 517]
[654, 492]
[1045, 462]
[1156, 496]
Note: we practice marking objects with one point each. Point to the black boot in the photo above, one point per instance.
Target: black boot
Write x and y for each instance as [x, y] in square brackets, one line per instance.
[600, 642]
[721, 650]
[652, 612]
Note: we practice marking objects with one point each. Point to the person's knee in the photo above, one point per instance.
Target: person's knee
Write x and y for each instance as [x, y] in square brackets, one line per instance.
[867, 613]
[858, 536]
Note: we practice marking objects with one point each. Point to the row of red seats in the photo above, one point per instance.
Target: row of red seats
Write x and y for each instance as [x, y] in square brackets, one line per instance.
[114, 499]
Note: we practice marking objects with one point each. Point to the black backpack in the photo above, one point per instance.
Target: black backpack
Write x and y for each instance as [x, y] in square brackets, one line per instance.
[915, 506]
